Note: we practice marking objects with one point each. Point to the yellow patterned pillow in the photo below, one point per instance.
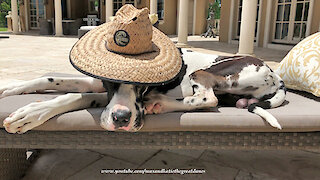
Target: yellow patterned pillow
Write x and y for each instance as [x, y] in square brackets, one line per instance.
[300, 69]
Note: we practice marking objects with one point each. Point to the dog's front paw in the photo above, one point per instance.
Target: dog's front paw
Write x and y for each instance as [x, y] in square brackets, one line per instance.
[153, 108]
[14, 89]
[27, 117]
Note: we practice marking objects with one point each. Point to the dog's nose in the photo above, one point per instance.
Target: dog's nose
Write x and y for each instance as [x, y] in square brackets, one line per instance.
[121, 117]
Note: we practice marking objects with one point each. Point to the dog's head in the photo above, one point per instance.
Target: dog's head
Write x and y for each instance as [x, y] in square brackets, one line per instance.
[125, 109]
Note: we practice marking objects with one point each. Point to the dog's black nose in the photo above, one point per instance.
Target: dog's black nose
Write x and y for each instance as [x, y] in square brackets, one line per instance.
[121, 118]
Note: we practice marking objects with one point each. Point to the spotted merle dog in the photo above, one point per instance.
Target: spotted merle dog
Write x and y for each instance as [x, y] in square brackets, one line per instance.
[204, 81]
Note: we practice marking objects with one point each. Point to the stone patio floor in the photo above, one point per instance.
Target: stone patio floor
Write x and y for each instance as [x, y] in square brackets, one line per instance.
[24, 57]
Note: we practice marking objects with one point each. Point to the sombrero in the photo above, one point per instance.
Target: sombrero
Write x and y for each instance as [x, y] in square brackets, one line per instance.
[128, 50]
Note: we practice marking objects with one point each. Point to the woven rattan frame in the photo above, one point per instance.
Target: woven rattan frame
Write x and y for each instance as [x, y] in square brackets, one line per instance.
[160, 140]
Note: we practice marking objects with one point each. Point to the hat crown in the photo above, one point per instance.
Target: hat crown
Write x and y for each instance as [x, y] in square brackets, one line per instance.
[130, 31]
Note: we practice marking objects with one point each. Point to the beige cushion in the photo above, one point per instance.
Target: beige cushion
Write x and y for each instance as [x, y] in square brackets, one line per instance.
[300, 69]
[298, 113]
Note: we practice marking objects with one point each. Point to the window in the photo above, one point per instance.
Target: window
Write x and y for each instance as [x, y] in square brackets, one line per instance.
[290, 22]
[239, 19]
[160, 9]
[117, 4]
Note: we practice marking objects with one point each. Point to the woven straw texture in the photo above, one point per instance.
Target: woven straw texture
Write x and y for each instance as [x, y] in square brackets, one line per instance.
[158, 140]
[137, 24]
[90, 55]
[13, 163]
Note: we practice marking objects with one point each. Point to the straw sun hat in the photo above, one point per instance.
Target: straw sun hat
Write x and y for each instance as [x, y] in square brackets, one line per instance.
[127, 49]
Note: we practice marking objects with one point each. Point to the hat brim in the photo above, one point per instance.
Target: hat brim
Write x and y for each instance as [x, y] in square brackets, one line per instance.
[90, 56]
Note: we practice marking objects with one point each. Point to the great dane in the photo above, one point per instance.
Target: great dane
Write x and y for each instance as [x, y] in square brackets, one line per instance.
[204, 81]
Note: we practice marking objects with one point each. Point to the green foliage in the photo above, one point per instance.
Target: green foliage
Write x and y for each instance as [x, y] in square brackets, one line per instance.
[216, 6]
[4, 8]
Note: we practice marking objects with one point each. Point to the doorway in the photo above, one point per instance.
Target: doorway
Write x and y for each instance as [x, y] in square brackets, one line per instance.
[37, 10]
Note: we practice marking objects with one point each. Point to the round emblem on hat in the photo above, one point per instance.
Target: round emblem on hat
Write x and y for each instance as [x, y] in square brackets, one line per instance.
[121, 38]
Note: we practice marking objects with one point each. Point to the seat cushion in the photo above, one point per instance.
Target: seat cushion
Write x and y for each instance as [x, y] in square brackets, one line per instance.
[299, 113]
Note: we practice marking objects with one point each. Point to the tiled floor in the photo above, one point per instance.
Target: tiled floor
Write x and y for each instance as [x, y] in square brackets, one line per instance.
[24, 57]
[222, 164]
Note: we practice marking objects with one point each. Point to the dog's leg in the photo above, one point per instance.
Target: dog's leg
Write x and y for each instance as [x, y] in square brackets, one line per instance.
[160, 103]
[37, 113]
[202, 97]
[62, 84]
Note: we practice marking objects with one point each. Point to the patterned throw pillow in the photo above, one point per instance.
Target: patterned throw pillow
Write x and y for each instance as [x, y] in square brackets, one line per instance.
[300, 69]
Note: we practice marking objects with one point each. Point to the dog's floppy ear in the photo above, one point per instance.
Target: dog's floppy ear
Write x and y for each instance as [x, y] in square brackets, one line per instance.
[143, 90]
[180, 51]
[111, 88]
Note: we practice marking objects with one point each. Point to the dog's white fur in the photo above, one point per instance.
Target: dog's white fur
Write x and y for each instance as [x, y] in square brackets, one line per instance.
[37, 113]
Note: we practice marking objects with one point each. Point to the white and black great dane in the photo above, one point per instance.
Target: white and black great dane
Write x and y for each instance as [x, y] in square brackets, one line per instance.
[204, 80]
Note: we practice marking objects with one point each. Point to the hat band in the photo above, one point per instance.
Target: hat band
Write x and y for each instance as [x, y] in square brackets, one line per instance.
[121, 53]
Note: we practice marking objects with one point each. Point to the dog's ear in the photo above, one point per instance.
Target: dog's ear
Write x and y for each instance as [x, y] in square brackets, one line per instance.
[141, 90]
[180, 51]
[111, 88]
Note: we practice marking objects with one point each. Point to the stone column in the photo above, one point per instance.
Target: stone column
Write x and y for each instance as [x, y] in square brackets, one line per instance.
[248, 23]
[153, 7]
[267, 24]
[69, 9]
[26, 14]
[109, 9]
[14, 11]
[183, 23]
[58, 17]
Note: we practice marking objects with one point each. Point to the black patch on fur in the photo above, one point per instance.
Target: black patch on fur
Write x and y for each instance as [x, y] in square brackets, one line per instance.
[257, 68]
[221, 58]
[250, 88]
[92, 103]
[57, 84]
[228, 100]
[179, 49]
[179, 99]
[267, 96]
[204, 99]
[194, 87]
[283, 87]
[50, 79]
[98, 105]
[111, 88]
[216, 86]
[235, 84]
[135, 18]
[262, 104]
[139, 116]
[192, 100]
[189, 50]
[231, 67]
[146, 98]
[138, 99]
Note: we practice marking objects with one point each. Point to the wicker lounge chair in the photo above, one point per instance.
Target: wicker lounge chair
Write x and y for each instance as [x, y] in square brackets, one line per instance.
[223, 128]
